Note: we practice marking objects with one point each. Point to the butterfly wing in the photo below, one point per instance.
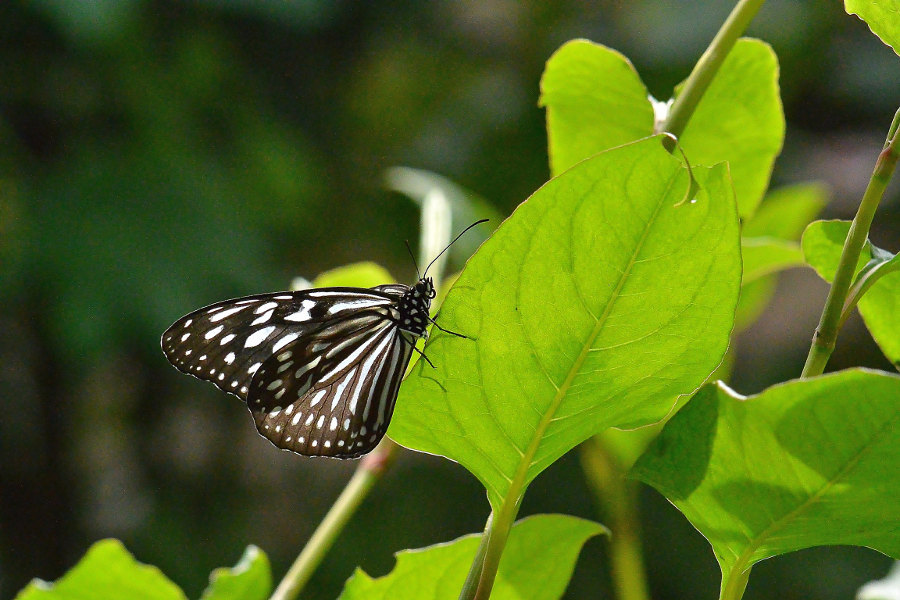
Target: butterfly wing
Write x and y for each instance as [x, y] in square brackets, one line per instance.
[332, 393]
[227, 342]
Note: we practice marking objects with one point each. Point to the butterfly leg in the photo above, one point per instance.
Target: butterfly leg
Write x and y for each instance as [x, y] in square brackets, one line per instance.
[422, 354]
[447, 330]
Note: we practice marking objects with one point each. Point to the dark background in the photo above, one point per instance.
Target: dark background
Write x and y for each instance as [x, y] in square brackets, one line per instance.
[159, 156]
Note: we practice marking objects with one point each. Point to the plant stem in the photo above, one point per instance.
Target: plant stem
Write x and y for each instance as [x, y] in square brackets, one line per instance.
[735, 583]
[471, 585]
[829, 323]
[617, 500]
[496, 534]
[708, 65]
[370, 470]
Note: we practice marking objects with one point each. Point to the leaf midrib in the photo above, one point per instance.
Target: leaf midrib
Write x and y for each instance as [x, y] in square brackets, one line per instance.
[518, 481]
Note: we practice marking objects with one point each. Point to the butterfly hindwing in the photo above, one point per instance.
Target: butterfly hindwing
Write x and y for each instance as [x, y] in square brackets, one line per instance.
[336, 399]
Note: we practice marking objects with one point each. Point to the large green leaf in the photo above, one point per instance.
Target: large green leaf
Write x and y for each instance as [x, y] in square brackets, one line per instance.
[740, 119]
[106, 571]
[881, 16]
[595, 100]
[250, 579]
[537, 564]
[604, 297]
[877, 289]
[806, 463]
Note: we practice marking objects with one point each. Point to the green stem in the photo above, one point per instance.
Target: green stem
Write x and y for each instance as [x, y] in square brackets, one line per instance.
[734, 585]
[708, 65]
[370, 470]
[829, 324]
[616, 498]
[496, 534]
[470, 587]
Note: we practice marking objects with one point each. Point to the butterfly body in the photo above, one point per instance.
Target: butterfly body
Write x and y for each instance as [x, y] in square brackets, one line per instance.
[318, 368]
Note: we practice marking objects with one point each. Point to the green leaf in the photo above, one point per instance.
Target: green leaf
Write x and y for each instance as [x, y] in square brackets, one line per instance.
[604, 297]
[767, 244]
[822, 244]
[880, 16]
[740, 119]
[786, 211]
[763, 256]
[595, 100]
[106, 571]
[537, 564]
[876, 291]
[755, 296]
[361, 274]
[806, 463]
[250, 579]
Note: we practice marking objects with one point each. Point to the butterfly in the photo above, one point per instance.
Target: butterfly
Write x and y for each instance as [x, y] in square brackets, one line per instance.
[319, 369]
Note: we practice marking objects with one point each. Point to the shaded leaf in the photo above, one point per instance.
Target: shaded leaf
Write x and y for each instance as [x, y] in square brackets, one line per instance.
[538, 561]
[604, 297]
[785, 212]
[763, 256]
[876, 291]
[806, 463]
[106, 571]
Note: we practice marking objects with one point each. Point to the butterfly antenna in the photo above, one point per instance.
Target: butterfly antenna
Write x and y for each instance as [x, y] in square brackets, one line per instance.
[453, 242]
[412, 257]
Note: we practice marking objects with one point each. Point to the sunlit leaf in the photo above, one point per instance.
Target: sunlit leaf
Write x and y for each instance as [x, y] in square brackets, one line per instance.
[881, 17]
[595, 100]
[806, 463]
[740, 119]
[604, 297]
[106, 571]
[250, 579]
[361, 274]
[536, 565]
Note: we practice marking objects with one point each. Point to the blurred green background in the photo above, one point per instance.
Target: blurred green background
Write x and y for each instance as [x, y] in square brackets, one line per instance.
[159, 156]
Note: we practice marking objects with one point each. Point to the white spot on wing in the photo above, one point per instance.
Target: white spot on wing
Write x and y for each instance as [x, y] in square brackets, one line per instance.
[263, 308]
[258, 337]
[226, 313]
[226, 339]
[302, 314]
[284, 341]
[229, 358]
[264, 318]
[214, 332]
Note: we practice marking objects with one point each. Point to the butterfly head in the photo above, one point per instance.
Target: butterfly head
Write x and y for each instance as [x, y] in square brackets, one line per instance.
[415, 306]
